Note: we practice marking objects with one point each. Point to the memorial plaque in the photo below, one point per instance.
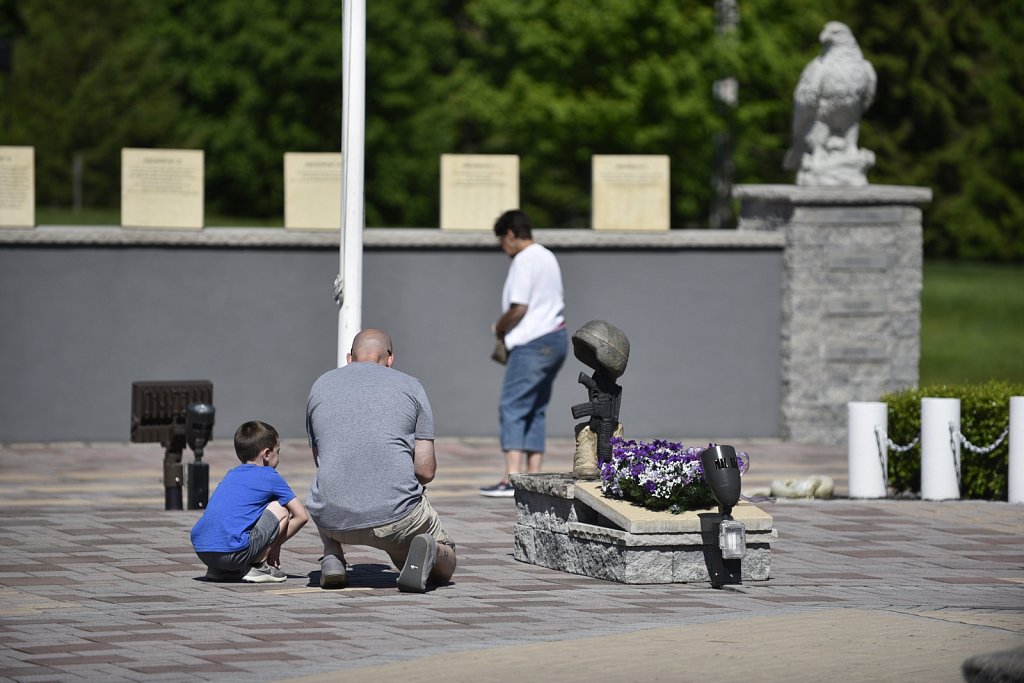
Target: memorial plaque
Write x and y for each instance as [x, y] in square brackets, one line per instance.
[630, 193]
[859, 260]
[162, 188]
[312, 190]
[848, 215]
[857, 305]
[853, 353]
[17, 187]
[477, 188]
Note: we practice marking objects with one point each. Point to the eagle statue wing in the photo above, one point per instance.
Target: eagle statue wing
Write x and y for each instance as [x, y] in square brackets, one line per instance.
[870, 84]
[805, 112]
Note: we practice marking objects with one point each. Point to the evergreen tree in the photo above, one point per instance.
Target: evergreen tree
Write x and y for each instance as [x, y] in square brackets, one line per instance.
[948, 116]
[88, 79]
[554, 81]
[257, 78]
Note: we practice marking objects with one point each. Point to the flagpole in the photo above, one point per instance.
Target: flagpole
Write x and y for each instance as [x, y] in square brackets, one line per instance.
[349, 287]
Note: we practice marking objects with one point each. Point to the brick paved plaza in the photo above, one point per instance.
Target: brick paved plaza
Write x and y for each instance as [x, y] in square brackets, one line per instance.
[100, 583]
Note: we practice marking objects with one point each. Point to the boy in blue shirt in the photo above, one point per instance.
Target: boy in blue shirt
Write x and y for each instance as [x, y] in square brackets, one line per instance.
[251, 513]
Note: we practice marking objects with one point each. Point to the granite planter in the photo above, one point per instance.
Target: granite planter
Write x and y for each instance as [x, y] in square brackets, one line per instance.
[570, 526]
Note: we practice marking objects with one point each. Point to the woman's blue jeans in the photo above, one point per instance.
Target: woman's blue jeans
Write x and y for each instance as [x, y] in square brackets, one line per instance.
[526, 391]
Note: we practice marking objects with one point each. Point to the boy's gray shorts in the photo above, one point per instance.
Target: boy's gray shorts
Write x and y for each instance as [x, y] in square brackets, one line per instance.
[262, 534]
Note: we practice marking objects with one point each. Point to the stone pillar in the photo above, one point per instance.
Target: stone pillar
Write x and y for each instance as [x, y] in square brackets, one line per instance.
[851, 296]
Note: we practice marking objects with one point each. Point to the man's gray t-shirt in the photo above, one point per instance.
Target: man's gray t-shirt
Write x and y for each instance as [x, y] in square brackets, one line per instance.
[364, 419]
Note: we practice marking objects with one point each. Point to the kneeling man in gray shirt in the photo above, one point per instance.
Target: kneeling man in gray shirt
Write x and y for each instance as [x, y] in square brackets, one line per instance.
[372, 434]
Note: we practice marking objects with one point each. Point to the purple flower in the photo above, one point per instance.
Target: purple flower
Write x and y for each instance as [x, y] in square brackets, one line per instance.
[659, 474]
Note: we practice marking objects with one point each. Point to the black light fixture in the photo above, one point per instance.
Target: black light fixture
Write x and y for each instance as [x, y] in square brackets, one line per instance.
[198, 431]
[160, 411]
[722, 474]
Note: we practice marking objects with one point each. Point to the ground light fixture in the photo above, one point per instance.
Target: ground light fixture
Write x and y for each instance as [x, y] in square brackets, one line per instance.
[198, 431]
[160, 413]
[722, 474]
[732, 539]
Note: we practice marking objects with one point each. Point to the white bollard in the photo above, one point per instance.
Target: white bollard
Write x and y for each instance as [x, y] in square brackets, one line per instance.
[940, 453]
[1016, 436]
[867, 457]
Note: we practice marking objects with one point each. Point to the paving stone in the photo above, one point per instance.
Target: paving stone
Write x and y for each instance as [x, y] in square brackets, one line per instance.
[119, 574]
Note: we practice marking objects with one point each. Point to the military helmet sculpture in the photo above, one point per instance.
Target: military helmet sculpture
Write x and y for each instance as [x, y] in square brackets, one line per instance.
[602, 346]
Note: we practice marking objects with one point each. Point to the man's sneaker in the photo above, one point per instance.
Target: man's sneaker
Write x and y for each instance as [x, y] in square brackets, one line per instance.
[500, 490]
[422, 555]
[264, 573]
[332, 572]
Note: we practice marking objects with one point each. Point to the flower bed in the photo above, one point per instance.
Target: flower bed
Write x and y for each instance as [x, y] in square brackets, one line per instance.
[659, 475]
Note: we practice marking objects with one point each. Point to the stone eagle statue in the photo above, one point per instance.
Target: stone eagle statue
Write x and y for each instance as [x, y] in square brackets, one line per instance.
[834, 91]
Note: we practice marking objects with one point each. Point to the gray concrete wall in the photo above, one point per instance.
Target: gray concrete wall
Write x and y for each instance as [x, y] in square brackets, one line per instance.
[85, 314]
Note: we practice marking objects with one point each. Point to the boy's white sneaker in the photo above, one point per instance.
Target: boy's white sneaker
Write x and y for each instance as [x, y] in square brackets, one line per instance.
[264, 573]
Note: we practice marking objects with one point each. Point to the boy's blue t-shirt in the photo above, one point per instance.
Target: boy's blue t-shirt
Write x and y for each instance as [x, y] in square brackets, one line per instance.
[236, 506]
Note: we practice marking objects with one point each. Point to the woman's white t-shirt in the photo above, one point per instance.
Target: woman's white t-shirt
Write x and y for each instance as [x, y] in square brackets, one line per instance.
[535, 280]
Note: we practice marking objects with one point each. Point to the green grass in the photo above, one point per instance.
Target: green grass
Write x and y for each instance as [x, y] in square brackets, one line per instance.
[83, 217]
[113, 217]
[972, 323]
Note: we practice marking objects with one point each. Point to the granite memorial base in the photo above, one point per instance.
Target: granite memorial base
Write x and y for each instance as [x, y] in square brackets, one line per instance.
[570, 526]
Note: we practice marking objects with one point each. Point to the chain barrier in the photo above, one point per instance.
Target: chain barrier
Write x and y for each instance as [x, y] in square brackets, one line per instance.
[881, 435]
[956, 437]
[980, 450]
[953, 434]
[884, 442]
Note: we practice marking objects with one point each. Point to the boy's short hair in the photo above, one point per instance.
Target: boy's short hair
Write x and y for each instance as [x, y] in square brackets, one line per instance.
[252, 437]
[515, 221]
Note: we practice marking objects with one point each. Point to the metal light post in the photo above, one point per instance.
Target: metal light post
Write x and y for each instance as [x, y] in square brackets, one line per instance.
[349, 286]
[176, 414]
[726, 95]
[722, 474]
[199, 419]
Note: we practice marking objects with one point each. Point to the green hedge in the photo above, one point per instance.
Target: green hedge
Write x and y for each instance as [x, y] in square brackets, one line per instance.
[984, 414]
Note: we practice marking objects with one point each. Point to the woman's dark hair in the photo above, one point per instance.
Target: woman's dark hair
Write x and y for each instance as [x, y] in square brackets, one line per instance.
[515, 221]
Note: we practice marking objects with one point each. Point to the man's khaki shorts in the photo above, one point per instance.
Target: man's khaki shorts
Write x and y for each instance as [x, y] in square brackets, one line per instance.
[396, 537]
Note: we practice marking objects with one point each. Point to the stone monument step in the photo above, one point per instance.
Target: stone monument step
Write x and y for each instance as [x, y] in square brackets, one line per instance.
[639, 520]
[594, 532]
[569, 525]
